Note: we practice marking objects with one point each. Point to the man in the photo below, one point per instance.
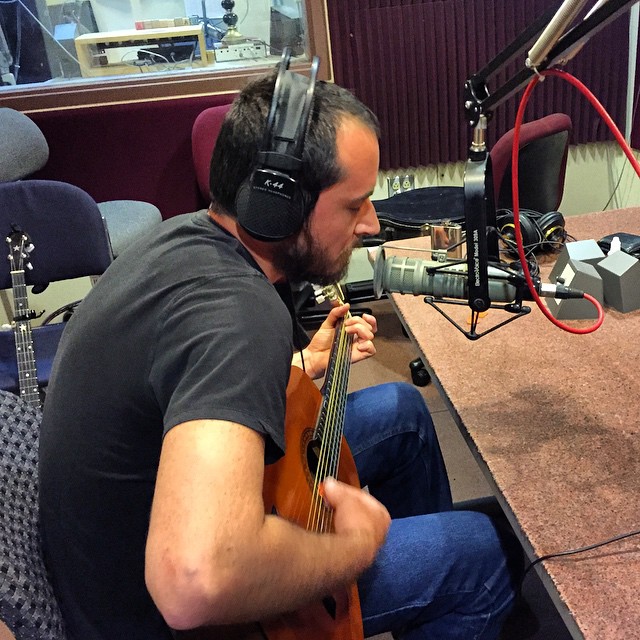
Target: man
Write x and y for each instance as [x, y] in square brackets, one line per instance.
[168, 398]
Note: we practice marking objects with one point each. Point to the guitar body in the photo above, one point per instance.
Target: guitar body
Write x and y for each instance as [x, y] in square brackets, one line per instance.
[315, 449]
[288, 492]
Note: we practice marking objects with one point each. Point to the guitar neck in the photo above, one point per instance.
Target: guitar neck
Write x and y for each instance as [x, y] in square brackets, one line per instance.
[330, 425]
[25, 355]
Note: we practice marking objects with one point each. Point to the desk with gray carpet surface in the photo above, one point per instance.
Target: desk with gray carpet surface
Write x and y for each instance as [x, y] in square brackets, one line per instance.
[553, 419]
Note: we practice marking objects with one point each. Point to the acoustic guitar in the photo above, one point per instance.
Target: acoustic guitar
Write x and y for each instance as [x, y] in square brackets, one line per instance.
[315, 449]
[20, 247]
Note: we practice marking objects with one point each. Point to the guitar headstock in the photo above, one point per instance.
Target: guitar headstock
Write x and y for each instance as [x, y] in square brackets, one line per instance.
[20, 247]
[331, 292]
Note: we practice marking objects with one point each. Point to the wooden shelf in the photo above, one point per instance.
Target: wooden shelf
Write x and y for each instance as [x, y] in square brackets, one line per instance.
[92, 48]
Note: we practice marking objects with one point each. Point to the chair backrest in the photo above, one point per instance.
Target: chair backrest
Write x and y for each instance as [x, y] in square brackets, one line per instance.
[69, 239]
[65, 227]
[204, 134]
[23, 147]
[542, 163]
[27, 602]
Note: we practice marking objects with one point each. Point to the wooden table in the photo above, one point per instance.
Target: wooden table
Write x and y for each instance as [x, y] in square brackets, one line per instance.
[554, 421]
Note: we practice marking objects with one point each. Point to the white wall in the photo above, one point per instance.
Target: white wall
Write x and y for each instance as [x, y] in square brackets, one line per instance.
[254, 18]
[593, 171]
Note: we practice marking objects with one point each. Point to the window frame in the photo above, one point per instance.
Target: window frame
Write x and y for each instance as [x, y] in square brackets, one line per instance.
[126, 89]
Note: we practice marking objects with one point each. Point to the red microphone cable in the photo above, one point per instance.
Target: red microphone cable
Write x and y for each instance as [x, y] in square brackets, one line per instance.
[516, 199]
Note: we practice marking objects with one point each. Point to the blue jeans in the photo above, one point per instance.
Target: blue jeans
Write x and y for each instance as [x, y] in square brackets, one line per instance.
[441, 574]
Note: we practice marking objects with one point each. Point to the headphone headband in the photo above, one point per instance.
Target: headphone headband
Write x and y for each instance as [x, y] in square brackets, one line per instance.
[288, 118]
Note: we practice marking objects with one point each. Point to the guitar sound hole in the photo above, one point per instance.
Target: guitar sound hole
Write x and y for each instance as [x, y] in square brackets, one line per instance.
[330, 605]
[313, 454]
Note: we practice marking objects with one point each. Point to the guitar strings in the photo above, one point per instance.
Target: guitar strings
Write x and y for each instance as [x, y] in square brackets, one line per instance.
[339, 409]
[320, 516]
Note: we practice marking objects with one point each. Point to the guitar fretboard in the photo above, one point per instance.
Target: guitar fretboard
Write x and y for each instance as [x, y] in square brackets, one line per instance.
[27, 374]
[25, 356]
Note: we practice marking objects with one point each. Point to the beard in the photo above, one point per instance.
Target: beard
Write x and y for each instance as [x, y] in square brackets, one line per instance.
[303, 260]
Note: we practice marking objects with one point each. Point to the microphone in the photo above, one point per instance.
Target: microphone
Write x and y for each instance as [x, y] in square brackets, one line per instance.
[554, 30]
[429, 278]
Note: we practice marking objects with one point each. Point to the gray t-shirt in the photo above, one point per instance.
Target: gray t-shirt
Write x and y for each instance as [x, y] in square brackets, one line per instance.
[182, 326]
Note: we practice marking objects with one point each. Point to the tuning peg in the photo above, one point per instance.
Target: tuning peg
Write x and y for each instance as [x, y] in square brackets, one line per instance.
[318, 293]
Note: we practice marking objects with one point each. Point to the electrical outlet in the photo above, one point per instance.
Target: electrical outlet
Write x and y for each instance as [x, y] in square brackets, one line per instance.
[400, 184]
[394, 185]
[408, 182]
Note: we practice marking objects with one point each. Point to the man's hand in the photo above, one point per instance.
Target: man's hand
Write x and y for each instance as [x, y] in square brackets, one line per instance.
[356, 512]
[363, 328]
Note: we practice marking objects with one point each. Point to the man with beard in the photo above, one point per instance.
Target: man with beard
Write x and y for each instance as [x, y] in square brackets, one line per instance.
[168, 398]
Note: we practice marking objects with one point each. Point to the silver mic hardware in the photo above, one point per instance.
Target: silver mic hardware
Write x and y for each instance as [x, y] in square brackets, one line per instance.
[571, 53]
[553, 32]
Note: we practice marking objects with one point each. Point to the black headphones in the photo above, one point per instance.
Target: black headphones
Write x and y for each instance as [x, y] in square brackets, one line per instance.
[541, 232]
[271, 205]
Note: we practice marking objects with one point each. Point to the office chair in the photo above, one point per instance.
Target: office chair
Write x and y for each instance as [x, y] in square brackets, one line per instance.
[28, 606]
[542, 162]
[204, 134]
[69, 239]
[24, 150]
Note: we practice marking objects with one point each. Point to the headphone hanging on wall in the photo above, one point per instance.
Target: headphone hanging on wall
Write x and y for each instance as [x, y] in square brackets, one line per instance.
[541, 232]
[271, 204]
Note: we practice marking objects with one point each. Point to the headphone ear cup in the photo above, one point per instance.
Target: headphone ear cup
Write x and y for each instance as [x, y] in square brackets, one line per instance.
[531, 237]
[270, 206]
[552, 230]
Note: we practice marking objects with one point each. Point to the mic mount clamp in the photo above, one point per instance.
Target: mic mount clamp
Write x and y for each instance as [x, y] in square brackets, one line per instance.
[514, 307]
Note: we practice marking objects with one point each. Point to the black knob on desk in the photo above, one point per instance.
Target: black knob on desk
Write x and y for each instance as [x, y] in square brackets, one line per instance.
[419, 375]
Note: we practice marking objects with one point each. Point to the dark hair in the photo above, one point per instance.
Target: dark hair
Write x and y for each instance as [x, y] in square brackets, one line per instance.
[242, 134]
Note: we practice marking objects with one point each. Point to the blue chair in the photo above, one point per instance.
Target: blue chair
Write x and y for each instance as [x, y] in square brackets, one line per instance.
[24, 150]
[70, 240]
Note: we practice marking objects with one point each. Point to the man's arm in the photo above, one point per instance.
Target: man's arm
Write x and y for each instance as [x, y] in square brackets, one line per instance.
[214, 558]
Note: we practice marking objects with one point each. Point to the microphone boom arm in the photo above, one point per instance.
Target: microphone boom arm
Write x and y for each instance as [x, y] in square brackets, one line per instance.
[479, 197]
[477, 99]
